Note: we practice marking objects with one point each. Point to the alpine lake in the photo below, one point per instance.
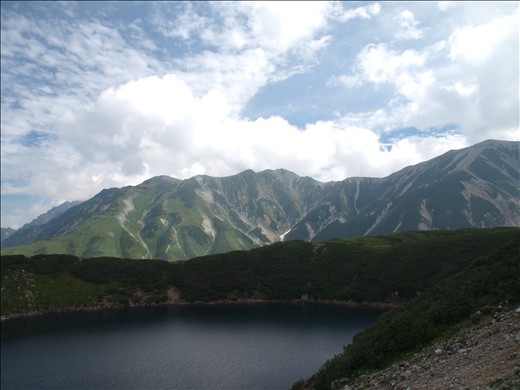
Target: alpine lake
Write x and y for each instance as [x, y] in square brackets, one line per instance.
[221, 346]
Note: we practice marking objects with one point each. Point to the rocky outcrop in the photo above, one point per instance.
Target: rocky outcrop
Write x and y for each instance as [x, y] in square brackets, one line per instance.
[485, 354]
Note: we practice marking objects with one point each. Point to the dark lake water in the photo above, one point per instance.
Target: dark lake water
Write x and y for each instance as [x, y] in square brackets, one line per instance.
[260, 346]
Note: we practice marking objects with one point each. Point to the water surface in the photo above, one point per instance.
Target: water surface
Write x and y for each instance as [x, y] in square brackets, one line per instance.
[260, 346]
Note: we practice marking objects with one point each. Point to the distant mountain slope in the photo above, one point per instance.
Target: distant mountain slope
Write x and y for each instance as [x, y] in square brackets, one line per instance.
[178, 219]
[30, 231]
[175, 219]
[6, 232]
[474, 187]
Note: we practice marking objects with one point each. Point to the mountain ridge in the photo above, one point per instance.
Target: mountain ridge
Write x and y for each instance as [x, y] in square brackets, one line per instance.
[174, 219]
[416, 177]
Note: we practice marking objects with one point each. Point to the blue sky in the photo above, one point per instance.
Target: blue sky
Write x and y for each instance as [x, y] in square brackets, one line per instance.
[108, 94]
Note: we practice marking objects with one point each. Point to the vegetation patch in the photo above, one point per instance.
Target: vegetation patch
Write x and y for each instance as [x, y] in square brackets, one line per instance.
[490, 279]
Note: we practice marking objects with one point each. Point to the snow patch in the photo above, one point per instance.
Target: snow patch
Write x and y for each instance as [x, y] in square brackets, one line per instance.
[396, 229]
[282, 237]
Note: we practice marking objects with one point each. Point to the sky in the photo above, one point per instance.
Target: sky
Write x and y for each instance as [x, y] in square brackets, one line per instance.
[108, 94]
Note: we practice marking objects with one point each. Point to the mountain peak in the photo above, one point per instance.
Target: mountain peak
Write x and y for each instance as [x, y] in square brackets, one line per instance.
[160, 180]
[177, 219]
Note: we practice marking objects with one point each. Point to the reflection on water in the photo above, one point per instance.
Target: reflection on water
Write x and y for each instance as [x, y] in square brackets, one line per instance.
[261, 346]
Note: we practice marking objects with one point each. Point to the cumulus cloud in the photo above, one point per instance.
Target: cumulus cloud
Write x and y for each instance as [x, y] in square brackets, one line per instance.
[408, 26]
[471, 79]
[237, 76]
[105, 102]
[476, 44]
[156, 127]
[365, 12]
[274, 26]
[379, 64]
[446, 5]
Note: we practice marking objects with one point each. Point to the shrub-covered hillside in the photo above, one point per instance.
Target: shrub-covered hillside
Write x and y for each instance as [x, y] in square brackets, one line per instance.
[388, 269]
[491, 280]
[439, 278]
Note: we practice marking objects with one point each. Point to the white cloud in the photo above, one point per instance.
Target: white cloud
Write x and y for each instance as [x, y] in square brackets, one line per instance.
[446, 5]
[470, 79]
[70, 65]
[251, 46]
[237, 26]
[378, 64]
[99, 103]
[237, 76]
[408, 26]
[365, 12]
[154, 126]
[164, 99]
[461, 89]
[350, 81]
[476, 44]
[274, 26]
[183, 24]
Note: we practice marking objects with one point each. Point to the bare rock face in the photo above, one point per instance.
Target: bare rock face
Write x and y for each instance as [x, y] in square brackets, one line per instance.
[483, 355]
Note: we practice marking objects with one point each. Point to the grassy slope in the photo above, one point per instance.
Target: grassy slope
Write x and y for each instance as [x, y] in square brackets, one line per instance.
[171, 230]
[57, 282]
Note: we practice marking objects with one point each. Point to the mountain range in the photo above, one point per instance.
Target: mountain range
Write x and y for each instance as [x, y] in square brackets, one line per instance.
[172, 219]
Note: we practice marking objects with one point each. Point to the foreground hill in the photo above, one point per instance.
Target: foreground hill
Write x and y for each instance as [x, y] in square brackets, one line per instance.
[490, 282]
[388, 269]
[172, 219]
[439, 280]
[480, 353]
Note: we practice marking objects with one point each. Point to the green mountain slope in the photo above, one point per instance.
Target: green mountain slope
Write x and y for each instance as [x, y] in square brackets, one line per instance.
[174, 219]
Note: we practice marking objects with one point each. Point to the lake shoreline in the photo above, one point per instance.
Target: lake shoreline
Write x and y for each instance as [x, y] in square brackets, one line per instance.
[85, 309]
